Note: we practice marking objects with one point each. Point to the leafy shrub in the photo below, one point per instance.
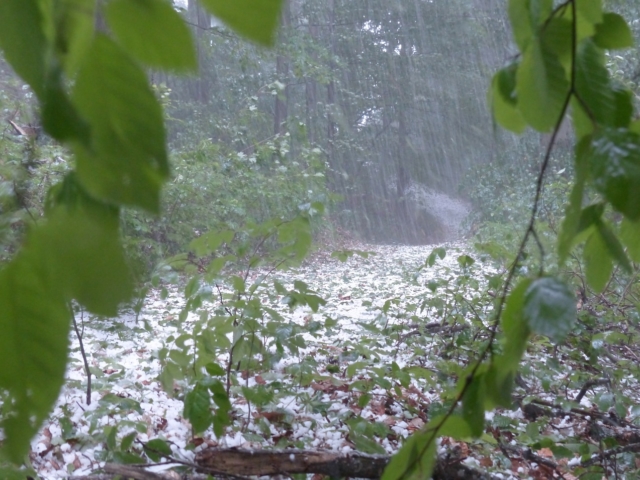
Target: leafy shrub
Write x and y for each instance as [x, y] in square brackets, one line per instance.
[214, 188]
[502, 193]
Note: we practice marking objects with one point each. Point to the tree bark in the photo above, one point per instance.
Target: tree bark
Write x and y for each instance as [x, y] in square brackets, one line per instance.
[272, 462]
[331, 86]
[238, 464]
[200, 21]
[282, 74]
[311, 94]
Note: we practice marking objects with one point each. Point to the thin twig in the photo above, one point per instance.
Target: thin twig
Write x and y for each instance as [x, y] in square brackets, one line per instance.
[591, 383]
[79, 335]
[612, 452]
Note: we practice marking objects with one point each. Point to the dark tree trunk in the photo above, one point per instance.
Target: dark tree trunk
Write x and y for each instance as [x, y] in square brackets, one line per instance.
[282, 74]
[311, 95]
[200, 22]
[331, 87]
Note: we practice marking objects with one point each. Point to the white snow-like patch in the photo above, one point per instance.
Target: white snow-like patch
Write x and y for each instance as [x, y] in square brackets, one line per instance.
[379, 306]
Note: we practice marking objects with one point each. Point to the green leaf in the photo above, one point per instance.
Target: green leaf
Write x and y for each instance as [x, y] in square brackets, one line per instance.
[583, 126]
[454, 426]
[156, 449]
[87, 253]
[192, 287]
[83, 240]
[592, 82]
[606, 103]
[221, 419]
[74, 26]
[514, 325]
[197, 404]
[630, 236]
[238, 284]
[590, 216]
[573, 210]
[218, 264]
[127, 441]
[209, 242]
[34, 321]
[503, 100]
[111, 436]
[124, 404]
[550, 308]
[153, 32]
[16, 473]
[23, 40]
[126, 162]
[60, 118]
[215, 370]
[415, 460]
[613, 32]
[254, 19]
[613, 246]
[127, 458]
[498, 381]
[542, 87]
[623, 106]
[598, 263]
[473, 405]
[526, 16]
[500, 375]
[556, 36]
[615, 169]
[465, 261]
[540, 10]
[591, 10]
[258, 395]
[365, 444]
[520, 18]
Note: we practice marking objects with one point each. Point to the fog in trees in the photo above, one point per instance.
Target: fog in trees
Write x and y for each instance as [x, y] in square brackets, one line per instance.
[388, 97]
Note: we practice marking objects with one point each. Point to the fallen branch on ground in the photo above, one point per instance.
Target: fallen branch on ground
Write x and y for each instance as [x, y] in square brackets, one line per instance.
[239, 464]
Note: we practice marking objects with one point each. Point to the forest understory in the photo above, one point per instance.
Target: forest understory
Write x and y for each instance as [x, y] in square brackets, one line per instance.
[361, 374]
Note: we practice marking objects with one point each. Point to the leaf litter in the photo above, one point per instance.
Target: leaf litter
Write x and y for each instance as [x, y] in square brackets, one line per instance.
[378, 361]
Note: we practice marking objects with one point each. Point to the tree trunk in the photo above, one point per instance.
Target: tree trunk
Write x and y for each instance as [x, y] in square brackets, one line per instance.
[331, 86]
[272, 462]
[311, 94]
[282, 74]
[200, 22]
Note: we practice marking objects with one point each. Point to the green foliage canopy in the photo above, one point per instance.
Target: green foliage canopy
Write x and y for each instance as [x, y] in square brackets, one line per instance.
[561, 68]
[95, 98]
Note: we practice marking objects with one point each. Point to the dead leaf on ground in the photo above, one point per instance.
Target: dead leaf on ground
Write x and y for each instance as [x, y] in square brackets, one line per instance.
[273, 417]
[378, 408]
[197, 441]
[545, 452]
[390, 421]
[415, 424]
[517, 464]
[327, 386]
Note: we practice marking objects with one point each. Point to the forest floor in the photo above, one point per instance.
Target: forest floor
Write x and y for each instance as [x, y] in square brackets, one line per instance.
[364, 372]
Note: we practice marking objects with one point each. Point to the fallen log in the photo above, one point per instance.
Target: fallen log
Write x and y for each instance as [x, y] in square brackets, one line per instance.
[240, 463]
[273, 462]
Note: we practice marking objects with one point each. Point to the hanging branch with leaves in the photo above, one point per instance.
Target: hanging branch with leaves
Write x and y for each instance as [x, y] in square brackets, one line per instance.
[561, 68]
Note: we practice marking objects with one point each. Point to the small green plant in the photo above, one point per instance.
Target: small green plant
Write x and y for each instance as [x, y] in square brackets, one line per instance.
[243, 333]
